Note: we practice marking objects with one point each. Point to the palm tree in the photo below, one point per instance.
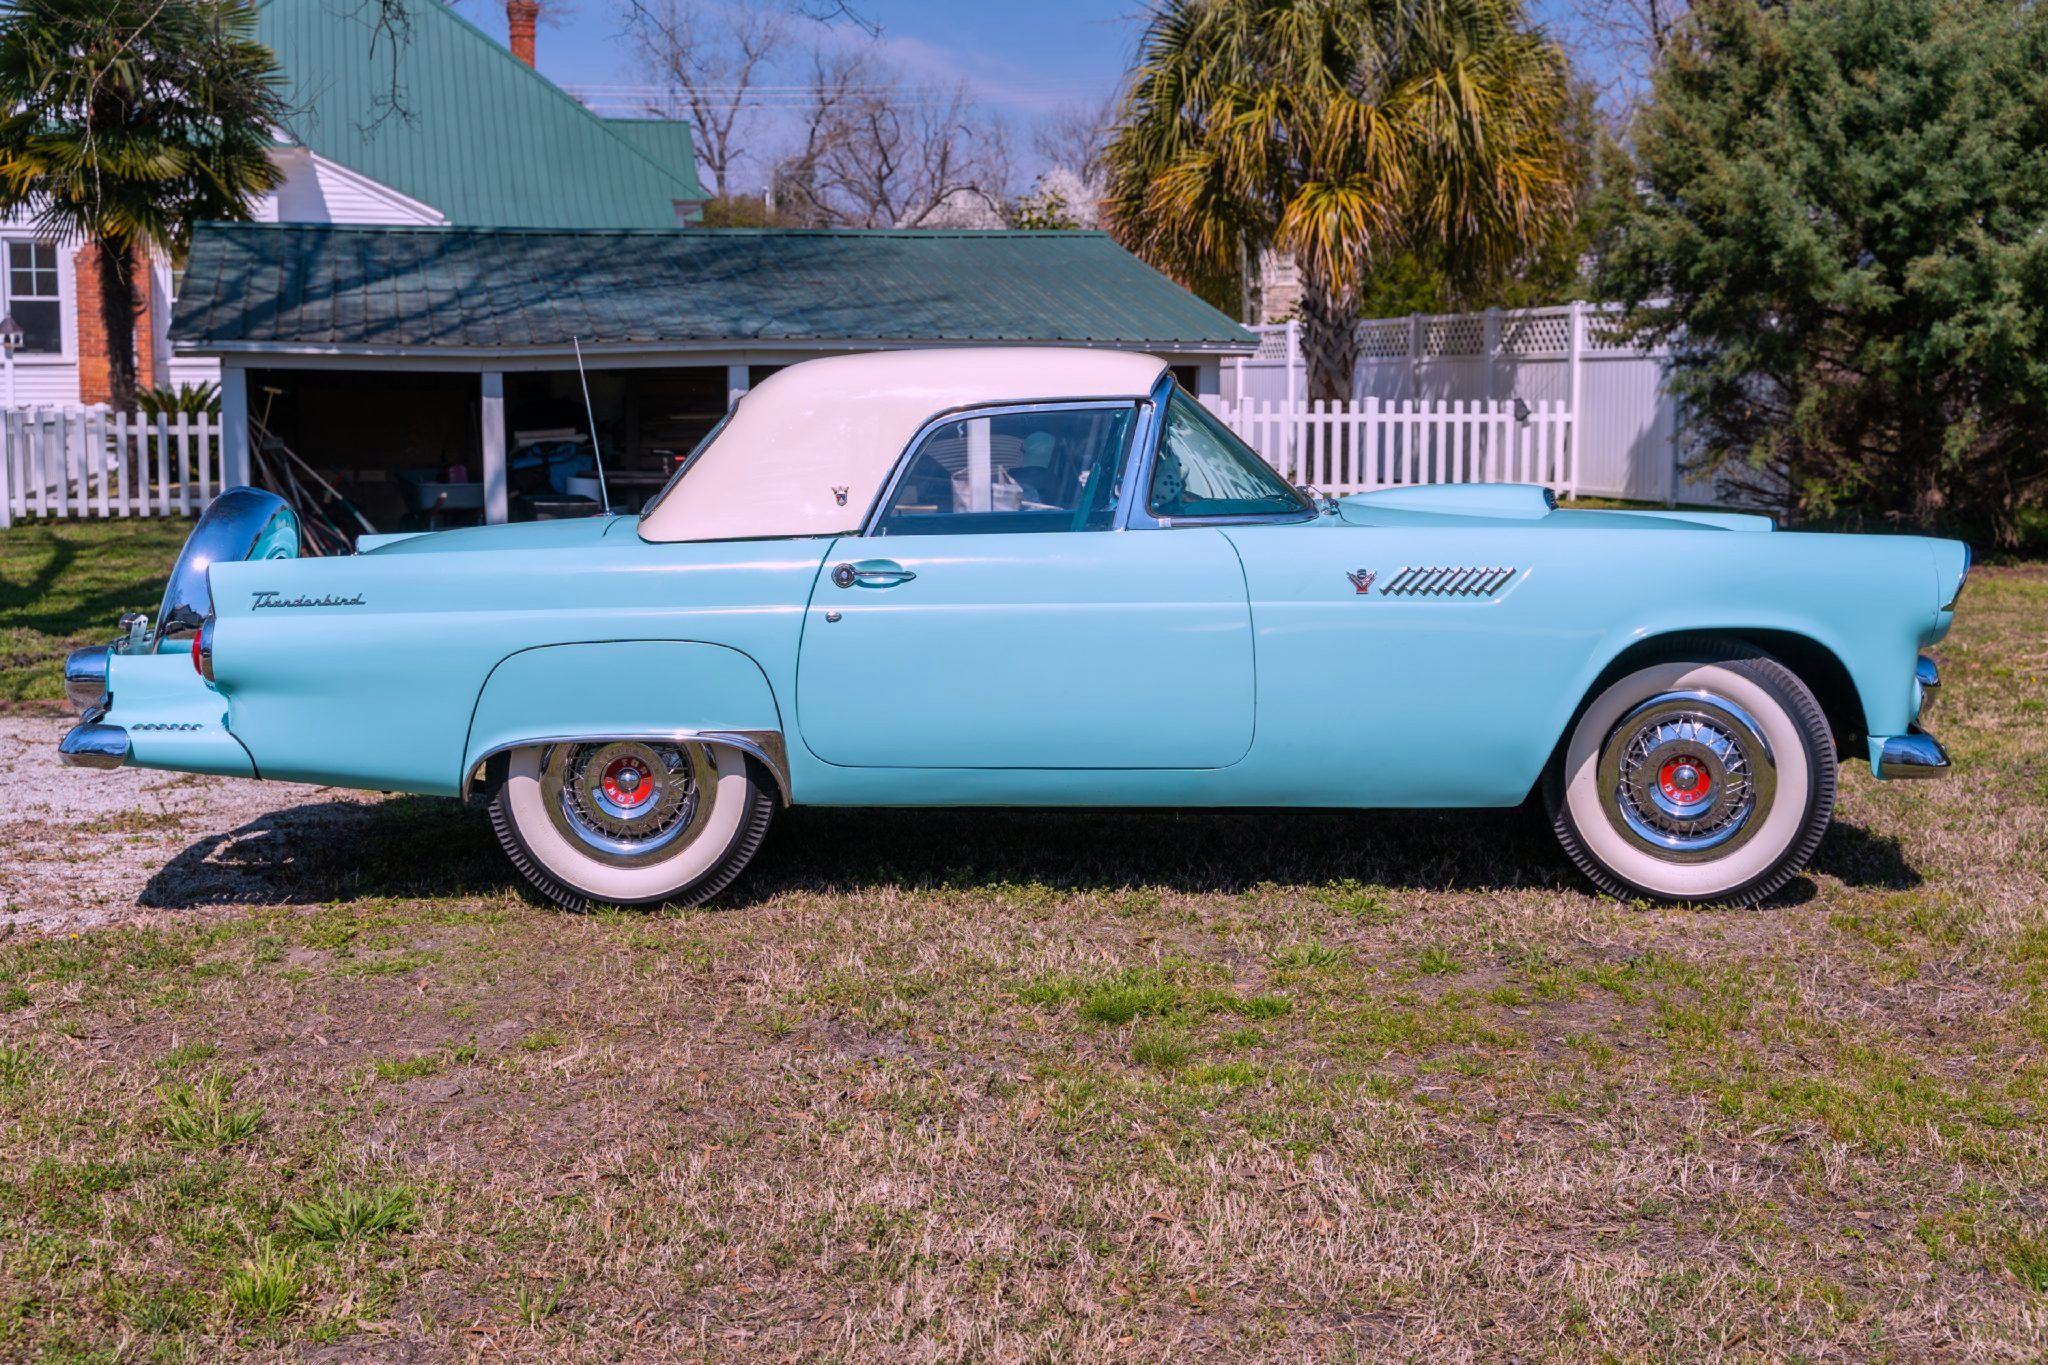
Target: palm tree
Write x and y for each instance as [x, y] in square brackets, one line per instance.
[1343, 131]
[126, 121]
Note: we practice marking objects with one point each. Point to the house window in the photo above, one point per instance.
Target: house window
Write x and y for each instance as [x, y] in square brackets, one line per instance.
[32, 296]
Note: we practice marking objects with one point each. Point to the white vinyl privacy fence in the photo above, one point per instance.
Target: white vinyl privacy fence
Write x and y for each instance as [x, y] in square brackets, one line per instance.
[1569, 362]
[89, 462]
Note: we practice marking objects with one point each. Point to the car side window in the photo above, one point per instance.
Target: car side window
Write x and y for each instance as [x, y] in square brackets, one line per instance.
[1039, 469]
[1204, 470]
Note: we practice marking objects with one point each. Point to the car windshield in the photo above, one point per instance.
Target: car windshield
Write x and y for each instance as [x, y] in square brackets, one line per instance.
[1204, 470]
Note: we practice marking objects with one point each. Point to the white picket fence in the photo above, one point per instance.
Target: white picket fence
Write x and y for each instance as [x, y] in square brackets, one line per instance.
[1371, 443]
[1625, 426]
[90, 462]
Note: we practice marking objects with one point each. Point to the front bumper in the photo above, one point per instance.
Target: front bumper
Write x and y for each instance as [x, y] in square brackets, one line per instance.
[1915, 754]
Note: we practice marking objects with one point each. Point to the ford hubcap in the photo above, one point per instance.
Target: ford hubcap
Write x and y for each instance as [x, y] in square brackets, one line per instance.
[628, 802]
[1687, 775]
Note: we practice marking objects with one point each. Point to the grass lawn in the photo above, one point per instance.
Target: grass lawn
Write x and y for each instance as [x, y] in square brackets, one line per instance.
[64, 584]
[1022, 1086]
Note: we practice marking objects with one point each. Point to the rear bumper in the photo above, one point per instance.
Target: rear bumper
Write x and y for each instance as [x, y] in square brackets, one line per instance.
[91, 744]
[85, 677]
[1915, 754]
[149, 711]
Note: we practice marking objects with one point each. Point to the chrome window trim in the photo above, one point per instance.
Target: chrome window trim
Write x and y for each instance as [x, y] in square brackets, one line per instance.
[765, 745]
[1136, 517]
[1144, 449]
[880, 505]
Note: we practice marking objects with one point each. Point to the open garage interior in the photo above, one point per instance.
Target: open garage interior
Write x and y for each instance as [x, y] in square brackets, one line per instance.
[365, 433]
[407, 448]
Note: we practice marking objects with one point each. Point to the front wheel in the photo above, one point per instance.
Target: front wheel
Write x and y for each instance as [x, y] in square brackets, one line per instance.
[630, 822]
[1708, 777]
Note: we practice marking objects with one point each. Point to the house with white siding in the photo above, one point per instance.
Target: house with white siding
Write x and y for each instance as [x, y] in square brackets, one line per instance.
[447, 128]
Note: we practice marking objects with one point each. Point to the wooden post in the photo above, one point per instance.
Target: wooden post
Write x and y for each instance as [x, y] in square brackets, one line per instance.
[1492, 344]
[980, 467]
[234, 425]
[1576, 417]
[497, 491]
[8, 445]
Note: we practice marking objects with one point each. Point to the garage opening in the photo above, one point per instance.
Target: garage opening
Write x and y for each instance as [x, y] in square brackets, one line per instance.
[405, 449]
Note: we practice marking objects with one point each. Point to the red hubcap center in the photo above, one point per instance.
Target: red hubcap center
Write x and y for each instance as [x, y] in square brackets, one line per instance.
[626, 784]
[1684, 780]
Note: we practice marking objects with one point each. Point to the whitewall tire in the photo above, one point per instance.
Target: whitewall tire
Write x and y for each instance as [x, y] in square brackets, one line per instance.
[630, 822]
[1706, 776]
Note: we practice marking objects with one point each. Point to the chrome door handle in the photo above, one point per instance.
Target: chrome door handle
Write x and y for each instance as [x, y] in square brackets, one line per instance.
[871, 573]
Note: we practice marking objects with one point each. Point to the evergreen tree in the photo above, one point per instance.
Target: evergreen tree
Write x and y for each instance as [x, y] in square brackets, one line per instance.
[1837, 216]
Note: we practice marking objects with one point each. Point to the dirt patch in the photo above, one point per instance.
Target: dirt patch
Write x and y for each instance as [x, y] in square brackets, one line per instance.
[86, 848]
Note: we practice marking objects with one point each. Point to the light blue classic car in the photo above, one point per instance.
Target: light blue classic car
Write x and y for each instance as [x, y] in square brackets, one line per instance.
[1037, 577]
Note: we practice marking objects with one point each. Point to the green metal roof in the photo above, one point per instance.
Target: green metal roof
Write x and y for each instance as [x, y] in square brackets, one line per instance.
[664, 141]
[480, 135]
[282, 287]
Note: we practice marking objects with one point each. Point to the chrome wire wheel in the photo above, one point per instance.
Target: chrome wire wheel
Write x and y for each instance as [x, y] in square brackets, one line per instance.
[1687, 776]
[628, 803]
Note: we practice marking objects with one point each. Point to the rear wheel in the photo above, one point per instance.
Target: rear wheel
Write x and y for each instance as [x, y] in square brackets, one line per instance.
[1708, 776]
[630, 822]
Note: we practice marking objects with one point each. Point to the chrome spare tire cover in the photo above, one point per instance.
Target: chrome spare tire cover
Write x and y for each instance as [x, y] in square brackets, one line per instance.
[242, 523]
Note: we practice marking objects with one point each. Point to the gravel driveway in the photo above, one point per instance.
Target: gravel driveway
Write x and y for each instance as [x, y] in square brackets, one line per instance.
[81, 847]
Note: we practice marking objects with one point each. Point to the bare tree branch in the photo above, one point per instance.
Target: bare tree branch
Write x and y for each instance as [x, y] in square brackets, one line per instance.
[710, 59]
[874, 155]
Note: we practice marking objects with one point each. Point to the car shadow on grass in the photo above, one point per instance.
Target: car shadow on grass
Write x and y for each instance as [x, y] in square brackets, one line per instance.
[410, 846]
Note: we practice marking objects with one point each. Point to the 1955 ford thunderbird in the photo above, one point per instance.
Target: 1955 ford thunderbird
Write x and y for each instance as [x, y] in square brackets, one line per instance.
[1038, 577]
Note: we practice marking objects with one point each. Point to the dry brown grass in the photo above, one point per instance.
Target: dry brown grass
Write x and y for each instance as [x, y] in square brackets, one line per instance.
[960, 1085]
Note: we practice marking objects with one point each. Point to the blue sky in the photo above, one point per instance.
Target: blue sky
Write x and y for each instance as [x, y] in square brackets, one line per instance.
[1021, 59]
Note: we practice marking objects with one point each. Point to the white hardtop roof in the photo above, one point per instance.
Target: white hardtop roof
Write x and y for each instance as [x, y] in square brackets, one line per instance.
[842, 422]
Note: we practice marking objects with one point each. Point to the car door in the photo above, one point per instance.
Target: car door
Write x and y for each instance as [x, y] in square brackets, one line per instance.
[995, 617]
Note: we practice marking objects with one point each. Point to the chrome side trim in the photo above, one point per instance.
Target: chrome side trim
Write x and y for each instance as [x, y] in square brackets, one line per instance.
[242, 523]
[1915, 754]
[1926, 673]
[85, 677]
[90, 744]
[765, 745]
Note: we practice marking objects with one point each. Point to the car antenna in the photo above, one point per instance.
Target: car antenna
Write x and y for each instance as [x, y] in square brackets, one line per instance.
[604, 492]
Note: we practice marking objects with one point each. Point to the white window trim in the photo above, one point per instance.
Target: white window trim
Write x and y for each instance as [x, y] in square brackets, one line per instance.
[67, 301]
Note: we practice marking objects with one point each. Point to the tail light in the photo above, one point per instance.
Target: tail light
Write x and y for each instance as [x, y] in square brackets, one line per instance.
[202, 648]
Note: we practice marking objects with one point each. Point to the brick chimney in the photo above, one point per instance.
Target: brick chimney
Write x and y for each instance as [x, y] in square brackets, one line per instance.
[519, 18]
